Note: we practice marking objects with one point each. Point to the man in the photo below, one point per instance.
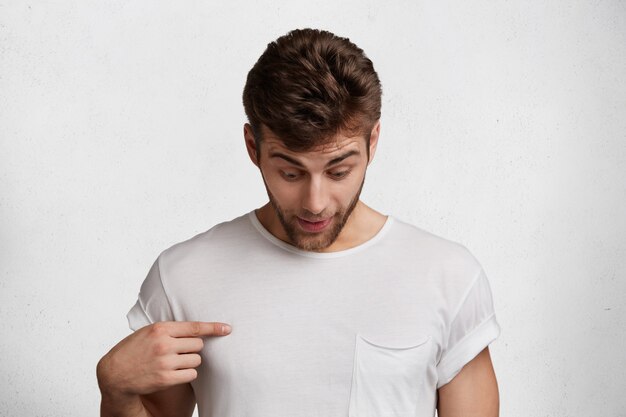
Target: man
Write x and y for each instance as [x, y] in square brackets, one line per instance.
[334, 308]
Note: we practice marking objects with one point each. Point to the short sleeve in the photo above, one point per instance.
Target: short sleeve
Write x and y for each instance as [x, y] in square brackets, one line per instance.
[473, 327]
[152, 303]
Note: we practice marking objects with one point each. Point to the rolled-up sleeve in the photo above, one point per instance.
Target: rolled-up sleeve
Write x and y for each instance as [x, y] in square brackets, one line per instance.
[473, 327]
[152, 302]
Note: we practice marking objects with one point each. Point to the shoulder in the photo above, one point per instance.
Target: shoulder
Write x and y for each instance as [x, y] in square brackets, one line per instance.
[225, 235]
[424, 245]
[448, 268]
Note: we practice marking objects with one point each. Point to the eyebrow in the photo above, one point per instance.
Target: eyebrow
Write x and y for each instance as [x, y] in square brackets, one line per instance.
[330, 163]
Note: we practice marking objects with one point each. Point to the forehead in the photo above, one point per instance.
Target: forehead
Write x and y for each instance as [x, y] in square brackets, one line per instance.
[337, 144]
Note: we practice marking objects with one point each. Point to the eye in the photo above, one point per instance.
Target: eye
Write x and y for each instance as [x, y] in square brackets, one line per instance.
[289, 176]
[339, 175]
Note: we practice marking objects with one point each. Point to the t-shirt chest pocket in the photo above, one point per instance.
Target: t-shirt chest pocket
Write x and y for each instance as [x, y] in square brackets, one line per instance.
[387, 380]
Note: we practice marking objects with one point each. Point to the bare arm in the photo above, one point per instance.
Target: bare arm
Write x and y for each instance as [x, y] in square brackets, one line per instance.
[148, 373]
[177, 401]
[473, 392]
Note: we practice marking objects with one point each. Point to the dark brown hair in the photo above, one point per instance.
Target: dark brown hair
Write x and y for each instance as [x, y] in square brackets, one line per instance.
[310, 85]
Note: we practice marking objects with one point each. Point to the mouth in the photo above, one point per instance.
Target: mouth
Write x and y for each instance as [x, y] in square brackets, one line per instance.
[310, 226]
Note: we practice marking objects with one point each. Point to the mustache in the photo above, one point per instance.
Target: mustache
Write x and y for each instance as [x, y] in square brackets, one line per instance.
[314, 218]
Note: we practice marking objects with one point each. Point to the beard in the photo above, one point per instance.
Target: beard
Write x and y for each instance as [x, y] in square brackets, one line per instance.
[311, 241]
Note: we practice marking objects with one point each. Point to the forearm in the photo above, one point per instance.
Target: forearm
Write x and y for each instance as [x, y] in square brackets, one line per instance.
[115, 405]
[149, 373]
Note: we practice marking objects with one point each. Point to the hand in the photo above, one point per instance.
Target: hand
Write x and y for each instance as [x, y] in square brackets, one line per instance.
[155, 357]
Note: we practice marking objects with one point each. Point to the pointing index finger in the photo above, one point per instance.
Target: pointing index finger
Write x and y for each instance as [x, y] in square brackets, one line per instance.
[197, 328]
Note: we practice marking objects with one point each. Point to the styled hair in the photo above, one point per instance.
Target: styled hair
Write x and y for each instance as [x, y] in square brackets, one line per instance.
[310, 85]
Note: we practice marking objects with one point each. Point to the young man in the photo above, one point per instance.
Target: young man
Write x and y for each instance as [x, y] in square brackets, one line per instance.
[334, 308]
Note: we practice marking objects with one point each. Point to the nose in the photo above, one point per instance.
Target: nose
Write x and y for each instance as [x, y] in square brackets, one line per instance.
[315, 198]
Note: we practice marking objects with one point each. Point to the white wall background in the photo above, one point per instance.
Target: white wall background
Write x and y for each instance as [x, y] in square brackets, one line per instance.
[504, 128]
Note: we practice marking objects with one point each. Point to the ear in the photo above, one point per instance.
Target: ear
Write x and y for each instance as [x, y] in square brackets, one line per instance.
[250, 144]
[374, 140]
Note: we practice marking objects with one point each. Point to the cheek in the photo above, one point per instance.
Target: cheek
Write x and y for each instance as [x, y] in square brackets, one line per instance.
[344, 191]
[284, 192]
[349, 193]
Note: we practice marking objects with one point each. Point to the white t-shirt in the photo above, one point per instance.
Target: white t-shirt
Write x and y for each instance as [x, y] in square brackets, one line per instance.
[371, 331]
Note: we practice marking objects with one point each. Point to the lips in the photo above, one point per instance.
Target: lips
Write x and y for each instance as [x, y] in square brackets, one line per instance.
[314, 226]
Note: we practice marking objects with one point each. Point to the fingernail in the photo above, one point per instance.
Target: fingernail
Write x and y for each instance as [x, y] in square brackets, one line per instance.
[226, 328]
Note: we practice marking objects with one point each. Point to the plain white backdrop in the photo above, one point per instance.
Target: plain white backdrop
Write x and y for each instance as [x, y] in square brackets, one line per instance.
[503, 128]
